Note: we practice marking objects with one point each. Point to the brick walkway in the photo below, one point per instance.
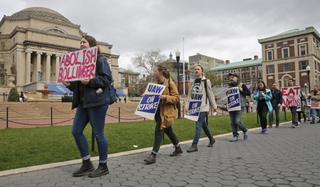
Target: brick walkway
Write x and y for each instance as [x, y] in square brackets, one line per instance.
[284, 157]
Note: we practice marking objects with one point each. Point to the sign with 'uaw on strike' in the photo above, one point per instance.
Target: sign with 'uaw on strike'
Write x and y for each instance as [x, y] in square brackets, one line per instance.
[194, 107]
[149, 103]
[78, 65]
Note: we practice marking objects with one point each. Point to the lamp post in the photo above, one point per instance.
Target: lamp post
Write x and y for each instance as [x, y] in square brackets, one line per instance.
[308, 72]
[178, 80]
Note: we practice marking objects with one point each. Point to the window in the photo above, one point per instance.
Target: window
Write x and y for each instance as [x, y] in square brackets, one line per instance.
[303, 64]
[269, 55]
[270, 69]
[285, 52]
[302, 50]
[286, 67]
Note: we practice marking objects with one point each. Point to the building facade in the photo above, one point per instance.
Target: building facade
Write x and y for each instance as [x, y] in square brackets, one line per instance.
[184, 76]
[206, 62]
[129, 81]
[249, 71]
[33, 40]
[288, 54]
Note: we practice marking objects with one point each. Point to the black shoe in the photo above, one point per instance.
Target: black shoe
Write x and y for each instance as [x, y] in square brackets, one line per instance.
[85, 168]
[212, 141]
[192, 148]
[100, 171]
[177, 151]
[150, 159]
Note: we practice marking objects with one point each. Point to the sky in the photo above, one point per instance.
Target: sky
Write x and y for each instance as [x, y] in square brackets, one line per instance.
[227, 29]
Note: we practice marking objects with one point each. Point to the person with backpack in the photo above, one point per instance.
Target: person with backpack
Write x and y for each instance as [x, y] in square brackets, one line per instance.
[165, 114]
[202, 86]
[235, 116]
[91, 98]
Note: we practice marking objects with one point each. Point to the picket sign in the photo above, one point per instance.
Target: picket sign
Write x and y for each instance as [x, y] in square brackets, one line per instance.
[78, 65]
[194, 107]
[234, 102]
[149, 103]
[291, 96]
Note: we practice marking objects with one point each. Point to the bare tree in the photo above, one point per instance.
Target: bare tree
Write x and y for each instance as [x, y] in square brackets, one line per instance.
[148, 60]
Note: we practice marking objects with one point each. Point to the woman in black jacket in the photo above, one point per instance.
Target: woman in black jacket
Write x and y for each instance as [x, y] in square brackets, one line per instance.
[90, 97]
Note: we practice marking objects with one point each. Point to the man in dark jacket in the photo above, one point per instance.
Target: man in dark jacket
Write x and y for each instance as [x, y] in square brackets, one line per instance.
[276, 102]
[235, 116]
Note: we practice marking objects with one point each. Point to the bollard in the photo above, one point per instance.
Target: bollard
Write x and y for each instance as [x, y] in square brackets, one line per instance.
[3, 96]
[51, 120]
[119, 115]
[183, 110]
[7, 117]
[92, 141]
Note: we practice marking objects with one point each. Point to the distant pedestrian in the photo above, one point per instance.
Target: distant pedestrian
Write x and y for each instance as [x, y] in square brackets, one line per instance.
[262, 97]
[293, 108]
[165, 114]
[276, 102]
[315, 110]
[125, 99]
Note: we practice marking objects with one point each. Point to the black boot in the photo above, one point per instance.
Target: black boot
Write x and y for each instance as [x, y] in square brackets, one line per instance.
[85, 168]
[100, 171]
[177, 151]
[211, 142]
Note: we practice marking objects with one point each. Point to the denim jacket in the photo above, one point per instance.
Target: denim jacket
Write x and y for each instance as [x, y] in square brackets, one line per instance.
[96, 92]
[267, 96]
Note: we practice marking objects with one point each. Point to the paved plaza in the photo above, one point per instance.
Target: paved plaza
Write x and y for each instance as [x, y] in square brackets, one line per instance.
[284, 157]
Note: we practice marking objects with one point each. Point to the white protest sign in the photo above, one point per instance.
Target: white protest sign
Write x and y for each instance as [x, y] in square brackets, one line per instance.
[78, 65]
[149, 103]
[234, 100]
[194, 107]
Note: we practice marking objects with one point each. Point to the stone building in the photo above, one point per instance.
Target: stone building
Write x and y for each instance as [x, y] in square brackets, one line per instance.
[288, 55]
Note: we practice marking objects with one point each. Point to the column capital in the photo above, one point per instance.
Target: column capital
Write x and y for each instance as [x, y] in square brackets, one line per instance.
[39, 52]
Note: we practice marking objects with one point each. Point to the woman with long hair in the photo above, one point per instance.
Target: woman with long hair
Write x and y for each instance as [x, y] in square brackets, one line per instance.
[165, 115]
[262, 97]
[90, 97]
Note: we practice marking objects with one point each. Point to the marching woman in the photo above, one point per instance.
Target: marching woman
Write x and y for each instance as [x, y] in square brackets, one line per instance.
[262, 97]
[202, 86]
[165, 115]
[90, 97]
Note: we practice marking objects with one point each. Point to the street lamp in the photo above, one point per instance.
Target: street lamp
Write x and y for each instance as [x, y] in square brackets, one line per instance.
[178, 80]
[308, 72]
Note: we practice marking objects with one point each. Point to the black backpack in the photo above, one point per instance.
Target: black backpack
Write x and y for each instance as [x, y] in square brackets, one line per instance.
[113, 94]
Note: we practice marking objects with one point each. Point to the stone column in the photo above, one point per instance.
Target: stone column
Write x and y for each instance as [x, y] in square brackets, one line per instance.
[38, 66]
[58, 58]
[48, 68]
[28, 66]
[20, 67]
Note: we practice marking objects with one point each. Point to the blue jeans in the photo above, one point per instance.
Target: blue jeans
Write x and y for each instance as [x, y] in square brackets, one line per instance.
[235, 118]
[294, 115]
[96, 116]
[202, 123]
[277, 111]
[315, 113]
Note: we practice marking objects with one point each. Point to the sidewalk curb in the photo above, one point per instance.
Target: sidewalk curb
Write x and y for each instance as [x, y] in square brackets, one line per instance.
[114, 155]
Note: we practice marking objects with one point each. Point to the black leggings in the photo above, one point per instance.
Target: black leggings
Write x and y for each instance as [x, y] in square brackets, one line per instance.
[262, 112]
[158, 135]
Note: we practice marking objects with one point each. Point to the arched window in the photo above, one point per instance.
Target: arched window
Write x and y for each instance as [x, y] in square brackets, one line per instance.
[56, 30]
[285, 80]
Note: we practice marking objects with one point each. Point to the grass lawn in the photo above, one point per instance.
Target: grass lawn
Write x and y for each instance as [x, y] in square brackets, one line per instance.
[35, 146]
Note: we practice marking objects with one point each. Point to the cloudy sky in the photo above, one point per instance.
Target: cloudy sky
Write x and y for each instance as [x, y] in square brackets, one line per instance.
[226, 29]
